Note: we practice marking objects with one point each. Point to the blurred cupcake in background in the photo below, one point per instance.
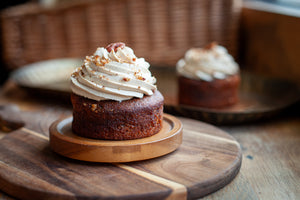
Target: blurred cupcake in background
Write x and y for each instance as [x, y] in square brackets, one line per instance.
[208, 77]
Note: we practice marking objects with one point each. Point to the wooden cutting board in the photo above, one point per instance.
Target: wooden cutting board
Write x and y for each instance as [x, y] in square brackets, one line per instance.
[207, 160]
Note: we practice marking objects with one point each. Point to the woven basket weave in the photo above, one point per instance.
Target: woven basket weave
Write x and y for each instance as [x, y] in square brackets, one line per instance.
[158, 30]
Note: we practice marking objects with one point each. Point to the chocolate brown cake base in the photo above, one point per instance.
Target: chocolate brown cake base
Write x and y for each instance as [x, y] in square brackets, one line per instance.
[218, 93]
[113, 120]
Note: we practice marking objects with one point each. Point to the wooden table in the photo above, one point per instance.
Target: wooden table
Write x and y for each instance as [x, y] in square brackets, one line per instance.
[271, 149]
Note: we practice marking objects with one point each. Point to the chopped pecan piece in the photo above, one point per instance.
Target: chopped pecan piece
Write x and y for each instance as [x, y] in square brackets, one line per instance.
[126, 79]
[140, 77]
[115, 46]
[210, 45]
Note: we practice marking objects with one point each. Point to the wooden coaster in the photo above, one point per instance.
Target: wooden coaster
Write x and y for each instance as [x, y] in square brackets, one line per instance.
[63, 141]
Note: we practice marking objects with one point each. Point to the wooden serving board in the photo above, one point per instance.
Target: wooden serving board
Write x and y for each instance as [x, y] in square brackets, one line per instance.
[207, 160]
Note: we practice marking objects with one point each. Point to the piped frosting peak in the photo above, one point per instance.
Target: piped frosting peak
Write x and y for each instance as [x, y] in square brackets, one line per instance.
[208, 63]
[113, 73]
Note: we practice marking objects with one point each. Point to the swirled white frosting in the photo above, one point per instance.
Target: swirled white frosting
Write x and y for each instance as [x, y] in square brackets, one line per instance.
[116, 75]
[207, 64]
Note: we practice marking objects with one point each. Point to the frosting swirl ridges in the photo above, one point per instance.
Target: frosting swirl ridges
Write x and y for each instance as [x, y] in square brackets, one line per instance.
[113, 74]
[208, 63]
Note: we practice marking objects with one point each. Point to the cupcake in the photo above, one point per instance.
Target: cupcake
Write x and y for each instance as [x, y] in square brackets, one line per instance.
[208, 77]
[114, 96]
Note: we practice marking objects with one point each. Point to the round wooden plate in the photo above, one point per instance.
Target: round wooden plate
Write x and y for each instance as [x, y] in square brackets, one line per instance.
[66, 143]
[258, 100]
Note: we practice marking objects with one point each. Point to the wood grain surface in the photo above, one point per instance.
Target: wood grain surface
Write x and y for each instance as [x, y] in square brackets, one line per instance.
[270, 148]
[64, 142]
[258, 100]
[207, 160]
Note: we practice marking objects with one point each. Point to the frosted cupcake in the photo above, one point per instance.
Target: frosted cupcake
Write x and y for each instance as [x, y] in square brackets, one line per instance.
[115, 97]
[208, 77]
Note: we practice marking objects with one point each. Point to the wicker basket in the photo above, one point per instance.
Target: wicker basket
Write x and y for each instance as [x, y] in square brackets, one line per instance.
[158, 30]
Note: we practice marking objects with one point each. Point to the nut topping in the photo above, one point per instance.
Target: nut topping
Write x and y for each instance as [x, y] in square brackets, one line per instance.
[126, 79]
[115, 46]
[210, 45]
